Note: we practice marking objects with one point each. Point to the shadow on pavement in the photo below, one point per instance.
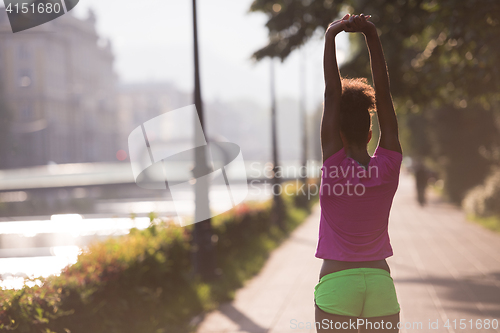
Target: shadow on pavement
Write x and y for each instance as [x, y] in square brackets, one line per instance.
[245, 324]
[467, 291]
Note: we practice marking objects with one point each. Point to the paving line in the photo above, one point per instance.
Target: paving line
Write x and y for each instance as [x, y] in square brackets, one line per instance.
[453, 272]
[451, 269]
[471, 258]
[429, 286]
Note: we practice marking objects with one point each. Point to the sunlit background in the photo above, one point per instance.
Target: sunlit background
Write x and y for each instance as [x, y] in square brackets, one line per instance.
[73, 89]
[77, 86]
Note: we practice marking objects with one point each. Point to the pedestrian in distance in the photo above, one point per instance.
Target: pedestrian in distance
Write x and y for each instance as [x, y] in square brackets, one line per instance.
[422, 175]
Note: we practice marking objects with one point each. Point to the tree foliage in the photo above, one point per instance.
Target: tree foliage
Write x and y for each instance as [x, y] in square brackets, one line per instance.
[442, 57]
[438, 51]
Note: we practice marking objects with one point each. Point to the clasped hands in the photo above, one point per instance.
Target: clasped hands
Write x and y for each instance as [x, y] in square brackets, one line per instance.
[351, 23]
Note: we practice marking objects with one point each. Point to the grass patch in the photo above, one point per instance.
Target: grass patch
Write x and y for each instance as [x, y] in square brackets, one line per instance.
[491, 222]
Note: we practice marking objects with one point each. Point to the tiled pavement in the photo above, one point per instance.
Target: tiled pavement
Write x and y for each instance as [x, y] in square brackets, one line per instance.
[444, 268]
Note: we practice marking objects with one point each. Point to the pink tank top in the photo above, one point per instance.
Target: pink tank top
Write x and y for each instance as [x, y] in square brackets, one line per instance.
[355, 204]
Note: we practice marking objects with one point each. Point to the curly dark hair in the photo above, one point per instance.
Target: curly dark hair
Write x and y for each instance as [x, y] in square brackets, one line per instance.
[357, 106]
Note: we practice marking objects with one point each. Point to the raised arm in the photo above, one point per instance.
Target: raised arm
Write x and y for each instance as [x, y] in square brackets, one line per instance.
[330, 122]
[388, 122]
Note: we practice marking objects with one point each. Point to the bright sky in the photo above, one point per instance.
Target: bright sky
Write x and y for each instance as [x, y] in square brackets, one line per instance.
[152, 40]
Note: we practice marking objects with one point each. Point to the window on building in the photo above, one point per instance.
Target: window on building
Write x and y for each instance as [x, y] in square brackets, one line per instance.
[23, 52]
[26, 112]
[25, 79]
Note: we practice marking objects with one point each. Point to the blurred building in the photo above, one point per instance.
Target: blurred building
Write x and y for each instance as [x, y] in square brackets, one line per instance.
[59, 88]
[243, 122]
[140, 102]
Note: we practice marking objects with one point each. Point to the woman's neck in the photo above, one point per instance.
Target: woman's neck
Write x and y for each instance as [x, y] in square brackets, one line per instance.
[359, 154]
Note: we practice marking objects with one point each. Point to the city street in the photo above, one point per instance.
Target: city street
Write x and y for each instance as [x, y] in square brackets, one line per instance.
[446, 271]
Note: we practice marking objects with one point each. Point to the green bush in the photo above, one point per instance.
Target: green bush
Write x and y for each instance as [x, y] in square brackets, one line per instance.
[142, 282]
[482, 203]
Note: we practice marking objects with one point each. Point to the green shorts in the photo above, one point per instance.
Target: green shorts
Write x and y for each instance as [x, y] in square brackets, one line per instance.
[357, 292]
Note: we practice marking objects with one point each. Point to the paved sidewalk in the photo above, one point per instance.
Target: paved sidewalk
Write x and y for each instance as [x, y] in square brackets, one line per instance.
[444, 268]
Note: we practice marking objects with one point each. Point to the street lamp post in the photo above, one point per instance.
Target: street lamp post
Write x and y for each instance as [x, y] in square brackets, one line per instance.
[277, 212]
[303, 112]
[203, 249]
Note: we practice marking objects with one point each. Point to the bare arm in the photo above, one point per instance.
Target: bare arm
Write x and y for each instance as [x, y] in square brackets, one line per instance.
[330, 122]
[389, 135]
